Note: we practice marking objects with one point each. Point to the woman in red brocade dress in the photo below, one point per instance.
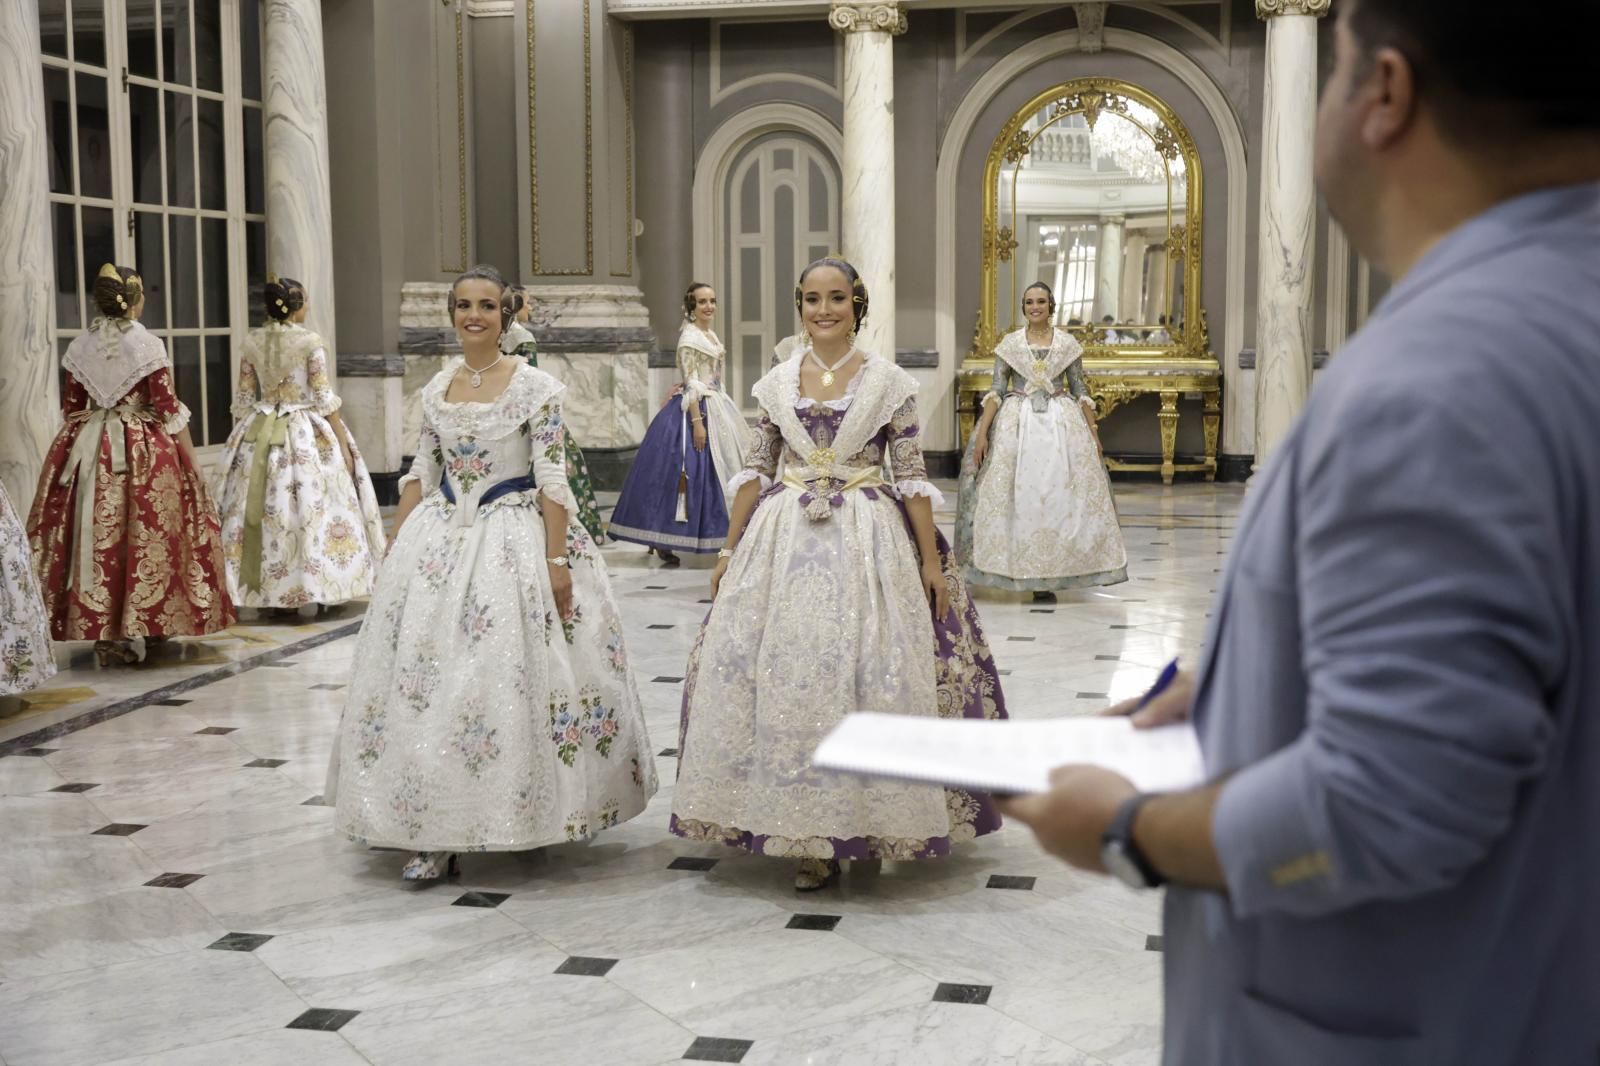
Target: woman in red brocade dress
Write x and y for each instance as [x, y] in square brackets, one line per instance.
[124, 537]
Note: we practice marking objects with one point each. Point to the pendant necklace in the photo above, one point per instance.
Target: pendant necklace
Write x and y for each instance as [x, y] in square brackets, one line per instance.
[477, 375]
[827, 371]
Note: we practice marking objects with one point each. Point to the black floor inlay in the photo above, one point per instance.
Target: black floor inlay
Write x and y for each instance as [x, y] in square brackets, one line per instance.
[173, 881]
[673, 752]
[1003, 673]
[37, 753]
[1092, 696]
[655, 588]
[1022, 640]
[717, 1049]
[282, 663]
[1021, 884]
[1041, 610]
[659, 626]
[1108, 658]
[327, 686]
[691, 862]
[821, 923]
[482, 899]
[216, 731]
[977, 995]
[118, 829]
[327, 1021]
[315, 801]
[264, 764]
[171, 703]
[240, 942]
[705, 601]
[667, 680]
[584, 966]
[1154, 943]
[75, 786]
[1124, 627]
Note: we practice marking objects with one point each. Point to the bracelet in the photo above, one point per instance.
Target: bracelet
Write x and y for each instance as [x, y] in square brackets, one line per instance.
[559, 560]
[724, 553]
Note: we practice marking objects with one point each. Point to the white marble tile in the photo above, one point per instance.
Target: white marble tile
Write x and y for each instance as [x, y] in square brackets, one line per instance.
[1113, 1013]
[762, 984]
[42, 935]
[140, 1008]
[930, 1034]
[555, 1020]
[275, 1047]
[21, 775]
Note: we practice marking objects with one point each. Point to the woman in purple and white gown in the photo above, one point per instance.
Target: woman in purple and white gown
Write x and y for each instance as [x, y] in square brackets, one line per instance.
[822, 608]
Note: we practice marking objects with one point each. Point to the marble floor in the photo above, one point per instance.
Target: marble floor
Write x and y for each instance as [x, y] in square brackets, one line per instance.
[170, 891]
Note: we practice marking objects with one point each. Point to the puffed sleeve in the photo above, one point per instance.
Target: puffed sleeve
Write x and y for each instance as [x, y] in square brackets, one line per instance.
[761, 464]
[74, 397]
[997, 381]
[324, 401]
[528, 351]
[245, 392]
[692, 363]
[906, 462]
[550, 456]
[164, 399]
[1078, 386]
[427, 466]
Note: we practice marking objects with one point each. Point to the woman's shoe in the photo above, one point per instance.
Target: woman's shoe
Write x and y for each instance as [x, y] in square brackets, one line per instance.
[309, 610]
[1044, 597]
[815, 874]
[116, 653]
[426, 866]
[668, 558]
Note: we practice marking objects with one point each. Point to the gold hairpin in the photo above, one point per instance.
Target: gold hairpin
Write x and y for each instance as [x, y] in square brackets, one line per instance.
[272, 279]
[110, 271]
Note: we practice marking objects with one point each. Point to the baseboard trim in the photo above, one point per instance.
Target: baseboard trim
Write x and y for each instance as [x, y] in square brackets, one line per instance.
[387, 486]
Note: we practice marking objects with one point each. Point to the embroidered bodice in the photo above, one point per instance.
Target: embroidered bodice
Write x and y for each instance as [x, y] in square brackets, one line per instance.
[303, 386]
[701, 358]
[1037, 372]
[476, 446]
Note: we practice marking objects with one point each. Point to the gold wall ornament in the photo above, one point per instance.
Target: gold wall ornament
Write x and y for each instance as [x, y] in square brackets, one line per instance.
[847, 17]
[1267, 9]
[1177, 241]
[1005, 244]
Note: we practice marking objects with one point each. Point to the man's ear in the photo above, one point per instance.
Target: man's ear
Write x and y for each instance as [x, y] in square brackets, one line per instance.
[1389, 99]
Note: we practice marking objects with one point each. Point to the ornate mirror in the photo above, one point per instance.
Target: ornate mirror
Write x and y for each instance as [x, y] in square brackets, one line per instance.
[1094, 188]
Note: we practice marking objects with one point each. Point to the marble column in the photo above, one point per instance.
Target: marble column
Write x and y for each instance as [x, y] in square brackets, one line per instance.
[29, 401]
[299, 211]
[1133, 257]
[1288, 215]
[1108, 268]
[867, 218]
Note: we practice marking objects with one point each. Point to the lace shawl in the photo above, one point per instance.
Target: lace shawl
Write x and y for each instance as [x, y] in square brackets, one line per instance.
[277, 350]
[112, 357]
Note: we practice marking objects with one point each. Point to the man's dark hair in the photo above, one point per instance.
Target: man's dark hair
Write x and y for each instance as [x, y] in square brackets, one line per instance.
[1486, 83]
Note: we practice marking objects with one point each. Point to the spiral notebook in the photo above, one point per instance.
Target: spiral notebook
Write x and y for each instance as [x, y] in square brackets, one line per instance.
[1009, 757]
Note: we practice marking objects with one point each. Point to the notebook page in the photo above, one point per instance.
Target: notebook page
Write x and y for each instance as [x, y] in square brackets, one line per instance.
[1010, 757]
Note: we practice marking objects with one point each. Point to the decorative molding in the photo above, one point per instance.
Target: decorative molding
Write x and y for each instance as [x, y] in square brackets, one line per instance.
[627, 143]
[720, 92]
[965, 53]
[588, 149]
[1091, 27]
[461, 151]
[1222, 39]
[1267, 9]
[491, 9]
[917, 358]
[848, 16]
[1247, 358]
[1217, 106]
[372, 365]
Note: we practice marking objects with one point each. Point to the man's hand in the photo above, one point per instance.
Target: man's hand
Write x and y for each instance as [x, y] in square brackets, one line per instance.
[1172, 705]
[1070, 819]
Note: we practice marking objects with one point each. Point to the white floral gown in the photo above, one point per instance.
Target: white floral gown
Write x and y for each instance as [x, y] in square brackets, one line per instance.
[26, 661]
[296, 528]
[478, 720]
[1039, 516]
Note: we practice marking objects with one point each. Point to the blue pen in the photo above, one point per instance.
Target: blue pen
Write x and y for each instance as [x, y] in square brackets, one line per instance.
[1168, 672]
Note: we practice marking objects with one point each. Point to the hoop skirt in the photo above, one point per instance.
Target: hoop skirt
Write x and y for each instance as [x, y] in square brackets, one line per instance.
[26, 661]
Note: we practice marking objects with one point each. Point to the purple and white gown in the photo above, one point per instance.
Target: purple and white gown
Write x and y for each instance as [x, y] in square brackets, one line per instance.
[822, 613]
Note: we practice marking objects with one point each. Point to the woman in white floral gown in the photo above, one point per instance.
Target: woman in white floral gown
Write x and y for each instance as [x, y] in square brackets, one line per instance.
[1036, 512]
[300, 522]
[492, 707]
[26, 661]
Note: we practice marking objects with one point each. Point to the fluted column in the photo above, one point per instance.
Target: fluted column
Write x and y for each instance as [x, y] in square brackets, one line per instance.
[299, 211]
[1288, 213]
[867, 216]
[29, 401]
[1108, 286]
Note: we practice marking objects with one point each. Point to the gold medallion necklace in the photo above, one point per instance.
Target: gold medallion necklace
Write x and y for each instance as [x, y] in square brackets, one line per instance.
[828, 371]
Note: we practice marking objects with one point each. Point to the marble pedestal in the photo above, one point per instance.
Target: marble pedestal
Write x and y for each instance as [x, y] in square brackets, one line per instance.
[595, 338]
[372, 387]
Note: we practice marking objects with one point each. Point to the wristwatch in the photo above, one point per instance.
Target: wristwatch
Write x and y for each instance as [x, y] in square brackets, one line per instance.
[560, 560]
[1120, 855]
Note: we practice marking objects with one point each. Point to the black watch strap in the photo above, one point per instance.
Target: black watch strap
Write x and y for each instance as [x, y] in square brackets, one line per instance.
[1121, 831]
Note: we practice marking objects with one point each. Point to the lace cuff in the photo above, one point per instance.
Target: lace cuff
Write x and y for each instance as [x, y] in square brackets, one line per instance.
[178, 422]
[560, 493]
[926, 489]
[327, 406]
[744, 477]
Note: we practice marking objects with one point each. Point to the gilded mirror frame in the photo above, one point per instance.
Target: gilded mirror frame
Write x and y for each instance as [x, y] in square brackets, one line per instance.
[1093, 97]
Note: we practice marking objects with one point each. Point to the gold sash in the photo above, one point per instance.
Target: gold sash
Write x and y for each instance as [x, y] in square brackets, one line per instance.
[824, 480]
[270, 430]
[83, 463]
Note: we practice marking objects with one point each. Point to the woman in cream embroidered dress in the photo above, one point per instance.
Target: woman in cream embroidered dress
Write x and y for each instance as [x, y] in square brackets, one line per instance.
[125, 542]
[519, 342]
[836, 594]
[26, 661]
[492, 706]
[300, 522]
[1036, 512]
[674, 495]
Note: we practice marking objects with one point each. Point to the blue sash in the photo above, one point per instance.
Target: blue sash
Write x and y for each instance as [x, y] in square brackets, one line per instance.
[504, 488]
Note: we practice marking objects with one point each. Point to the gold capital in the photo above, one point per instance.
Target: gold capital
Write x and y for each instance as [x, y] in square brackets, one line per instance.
[847, 17]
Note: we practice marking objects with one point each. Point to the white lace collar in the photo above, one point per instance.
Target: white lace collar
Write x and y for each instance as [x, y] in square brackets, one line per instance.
[112, 357]
[692, 336]
[528, 390]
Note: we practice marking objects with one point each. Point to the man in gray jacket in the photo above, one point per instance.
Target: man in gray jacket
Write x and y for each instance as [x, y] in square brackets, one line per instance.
[1397, 860]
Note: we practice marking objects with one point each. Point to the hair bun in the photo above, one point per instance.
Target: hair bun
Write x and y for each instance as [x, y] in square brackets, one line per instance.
[282, 297]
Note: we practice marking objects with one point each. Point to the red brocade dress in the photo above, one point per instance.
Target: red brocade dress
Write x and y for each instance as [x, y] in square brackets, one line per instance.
[124, 538]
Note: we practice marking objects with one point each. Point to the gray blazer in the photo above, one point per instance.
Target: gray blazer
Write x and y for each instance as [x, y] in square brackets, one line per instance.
[1403, 681]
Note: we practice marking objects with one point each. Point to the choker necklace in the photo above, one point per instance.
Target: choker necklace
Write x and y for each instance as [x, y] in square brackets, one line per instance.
[827, 371]
[477, 375]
